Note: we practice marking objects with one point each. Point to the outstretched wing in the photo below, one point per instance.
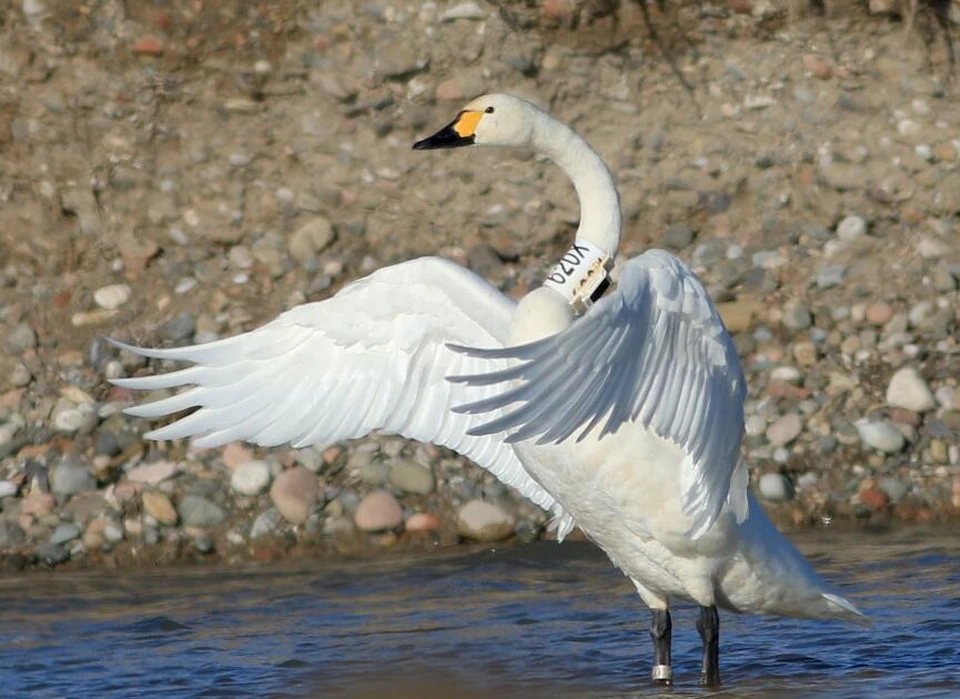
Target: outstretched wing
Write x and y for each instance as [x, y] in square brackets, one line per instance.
[371, 357]
[656, 352]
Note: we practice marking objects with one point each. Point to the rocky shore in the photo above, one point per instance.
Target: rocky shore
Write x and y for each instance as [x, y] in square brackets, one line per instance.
[174, 173]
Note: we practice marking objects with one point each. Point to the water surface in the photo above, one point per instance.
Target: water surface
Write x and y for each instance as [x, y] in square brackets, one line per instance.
[529, 621]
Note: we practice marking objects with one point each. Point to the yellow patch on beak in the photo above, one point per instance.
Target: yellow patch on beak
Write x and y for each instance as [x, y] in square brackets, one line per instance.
[466, 124]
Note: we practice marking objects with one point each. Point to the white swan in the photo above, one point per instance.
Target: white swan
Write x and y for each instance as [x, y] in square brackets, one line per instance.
[627, 420]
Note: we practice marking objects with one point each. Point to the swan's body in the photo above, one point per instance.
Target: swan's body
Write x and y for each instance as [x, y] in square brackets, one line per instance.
[626, 421]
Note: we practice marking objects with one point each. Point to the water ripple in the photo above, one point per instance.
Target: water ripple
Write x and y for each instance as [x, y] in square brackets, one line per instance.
[534, 621]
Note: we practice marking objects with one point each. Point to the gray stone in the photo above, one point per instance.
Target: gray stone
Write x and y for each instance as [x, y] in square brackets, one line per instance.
[71, 476]
[203, 543]
[180, 329]
[21, 338]
[851, 228]
[51, 554]
[709, 253]
[678, 236]
[71, 418]
[67, 531]
[267, 522]
[830, 275]
[908, 389]
[197, 511]
[775, 487]
[796, 316]
[894, 488]
[411, 477]
[880, 435]
[20, 376]
[11, 535]
[106, 443]
[374, 472]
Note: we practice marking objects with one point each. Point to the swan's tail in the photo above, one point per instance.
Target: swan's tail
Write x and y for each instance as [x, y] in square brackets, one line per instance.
[784, 581]
[843, 610]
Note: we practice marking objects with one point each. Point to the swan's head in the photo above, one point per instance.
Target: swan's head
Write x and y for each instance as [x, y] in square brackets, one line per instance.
[494, 120]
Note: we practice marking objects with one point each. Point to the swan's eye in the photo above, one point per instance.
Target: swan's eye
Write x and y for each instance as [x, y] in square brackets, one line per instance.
[489, 110]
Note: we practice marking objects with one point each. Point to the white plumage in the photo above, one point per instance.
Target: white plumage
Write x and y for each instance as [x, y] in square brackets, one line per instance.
[626, 421]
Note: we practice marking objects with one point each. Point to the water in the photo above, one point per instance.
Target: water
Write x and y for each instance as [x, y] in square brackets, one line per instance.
[531, 621]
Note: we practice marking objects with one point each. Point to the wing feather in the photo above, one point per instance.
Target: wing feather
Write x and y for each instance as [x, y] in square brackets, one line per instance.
[372, 357]
[655, 351]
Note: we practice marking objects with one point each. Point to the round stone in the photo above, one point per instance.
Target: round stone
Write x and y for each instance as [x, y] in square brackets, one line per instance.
[295, 493]
[197, 511]
[112, 296]
[851, 228]
[880, 435]
[411, 477]
[908, 389]
[251, 478]
[378, 511]
[158, 506]
[784, 429]
[775, 487]
[484, 521]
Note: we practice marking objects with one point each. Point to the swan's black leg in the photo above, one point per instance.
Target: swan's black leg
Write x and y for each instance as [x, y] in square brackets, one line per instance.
[660, 629]
[709, 627]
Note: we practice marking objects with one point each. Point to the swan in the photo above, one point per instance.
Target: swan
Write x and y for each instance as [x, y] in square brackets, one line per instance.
[619, 410]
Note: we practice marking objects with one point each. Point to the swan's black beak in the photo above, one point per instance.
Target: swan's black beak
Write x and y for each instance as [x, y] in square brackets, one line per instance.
[456, 134]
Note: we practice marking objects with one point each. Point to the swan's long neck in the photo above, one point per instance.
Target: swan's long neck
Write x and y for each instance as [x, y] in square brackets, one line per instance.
[599, 201]
[545, 311]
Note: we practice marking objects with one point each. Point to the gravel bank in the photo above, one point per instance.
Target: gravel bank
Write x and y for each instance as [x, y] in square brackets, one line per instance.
[178, 173]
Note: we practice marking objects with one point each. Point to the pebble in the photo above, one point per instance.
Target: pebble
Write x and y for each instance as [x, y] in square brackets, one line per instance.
[295, 493]
[311, 238]
[878, 314]
[678, 236]
[775, 487]
[755, 425]
[851, 228]
[112, 296]
[251, 478]
[153, 473]
[51, 554]
[484, 521]
[829, 276]
[158, 506]
[784, 429]
[267, 523]
[908, 389]
[894, 488]
[874, 499]
[411, 477]
[464, 10]
[21, 338]
[235, 454]
[20, 376]
[198, 511]
[422, 522]
[796, 316]
[11, 535]
[378, 511]
[880, 435]
[71, 476]
[8, 489]
[68, 531]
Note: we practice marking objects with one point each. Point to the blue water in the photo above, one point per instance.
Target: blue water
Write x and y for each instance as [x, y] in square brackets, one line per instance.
[528, 621]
